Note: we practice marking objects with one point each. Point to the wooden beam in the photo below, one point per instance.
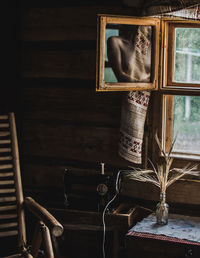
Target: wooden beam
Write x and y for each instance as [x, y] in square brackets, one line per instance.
[71, 23]
[63, 105]
[59, 64]
[183, 191]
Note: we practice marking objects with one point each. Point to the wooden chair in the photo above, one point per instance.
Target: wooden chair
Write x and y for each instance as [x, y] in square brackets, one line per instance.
[12, 203]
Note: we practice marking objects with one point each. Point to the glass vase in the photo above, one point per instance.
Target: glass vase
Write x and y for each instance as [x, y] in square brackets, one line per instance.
[162, 209]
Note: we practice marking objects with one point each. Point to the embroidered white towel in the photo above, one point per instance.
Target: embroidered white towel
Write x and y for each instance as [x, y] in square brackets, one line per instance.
[133, 115]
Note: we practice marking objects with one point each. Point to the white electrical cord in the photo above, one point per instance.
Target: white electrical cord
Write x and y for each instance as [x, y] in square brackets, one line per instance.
[104, 211]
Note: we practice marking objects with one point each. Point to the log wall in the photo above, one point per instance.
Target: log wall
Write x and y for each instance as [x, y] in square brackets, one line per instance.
[63, 122]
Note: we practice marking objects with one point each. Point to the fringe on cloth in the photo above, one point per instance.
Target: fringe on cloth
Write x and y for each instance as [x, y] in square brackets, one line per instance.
[133, 117]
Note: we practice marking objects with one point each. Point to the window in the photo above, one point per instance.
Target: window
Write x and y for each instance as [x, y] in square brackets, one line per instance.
[182, 54]
[127, 53]
[182, 124]
[169, 63]
[180, 85]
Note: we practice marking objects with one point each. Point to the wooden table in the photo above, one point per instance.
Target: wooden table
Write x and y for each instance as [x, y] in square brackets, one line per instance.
[141, 244]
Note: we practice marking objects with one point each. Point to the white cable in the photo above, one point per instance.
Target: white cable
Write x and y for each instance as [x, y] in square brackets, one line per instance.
[104, 211]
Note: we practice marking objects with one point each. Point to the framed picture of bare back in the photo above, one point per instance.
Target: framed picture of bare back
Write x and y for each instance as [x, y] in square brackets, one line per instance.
[127, 53]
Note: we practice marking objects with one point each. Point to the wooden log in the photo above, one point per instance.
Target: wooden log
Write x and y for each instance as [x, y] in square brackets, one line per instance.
[62, 64]
[183, 191]
[61, 104]
[71, 23]
[42, 214]
[37, 172]
[8, 207]
[78, 142]
[18, 183]
[48, 248]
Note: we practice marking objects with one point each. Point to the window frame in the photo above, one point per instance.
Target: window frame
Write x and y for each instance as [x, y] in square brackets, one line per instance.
[162, 69]
[102, 21]
[168, 26]
[161, 117]
[162, 110]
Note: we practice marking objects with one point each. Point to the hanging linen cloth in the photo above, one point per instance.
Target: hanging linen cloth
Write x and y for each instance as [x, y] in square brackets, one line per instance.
[135, 104]
[134, 107]
[133, 114]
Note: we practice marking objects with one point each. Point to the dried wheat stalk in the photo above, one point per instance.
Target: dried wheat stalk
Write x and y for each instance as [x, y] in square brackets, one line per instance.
[162, 176]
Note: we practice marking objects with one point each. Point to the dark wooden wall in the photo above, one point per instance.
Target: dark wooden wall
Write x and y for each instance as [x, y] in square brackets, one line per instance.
[49, 81]
[64, 122]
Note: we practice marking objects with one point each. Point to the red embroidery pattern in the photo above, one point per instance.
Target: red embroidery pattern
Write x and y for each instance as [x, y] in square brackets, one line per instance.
[139, 98]
[130, 144]
[198, 12]
[143, 40]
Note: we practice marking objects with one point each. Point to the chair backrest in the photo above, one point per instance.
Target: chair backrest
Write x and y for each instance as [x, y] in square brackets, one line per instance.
[12, 203]
[12, 222]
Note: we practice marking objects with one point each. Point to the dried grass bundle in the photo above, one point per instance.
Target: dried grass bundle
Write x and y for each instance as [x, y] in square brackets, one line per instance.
[163, 176]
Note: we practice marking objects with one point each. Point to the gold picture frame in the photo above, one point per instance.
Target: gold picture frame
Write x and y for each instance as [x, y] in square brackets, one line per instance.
[127, 53]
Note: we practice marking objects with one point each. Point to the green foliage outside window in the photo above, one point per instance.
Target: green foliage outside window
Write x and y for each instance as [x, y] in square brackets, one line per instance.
[187, 56]
[186, 123]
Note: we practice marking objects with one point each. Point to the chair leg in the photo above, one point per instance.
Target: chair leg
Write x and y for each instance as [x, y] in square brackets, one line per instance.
[36, 241]
[48, 248]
